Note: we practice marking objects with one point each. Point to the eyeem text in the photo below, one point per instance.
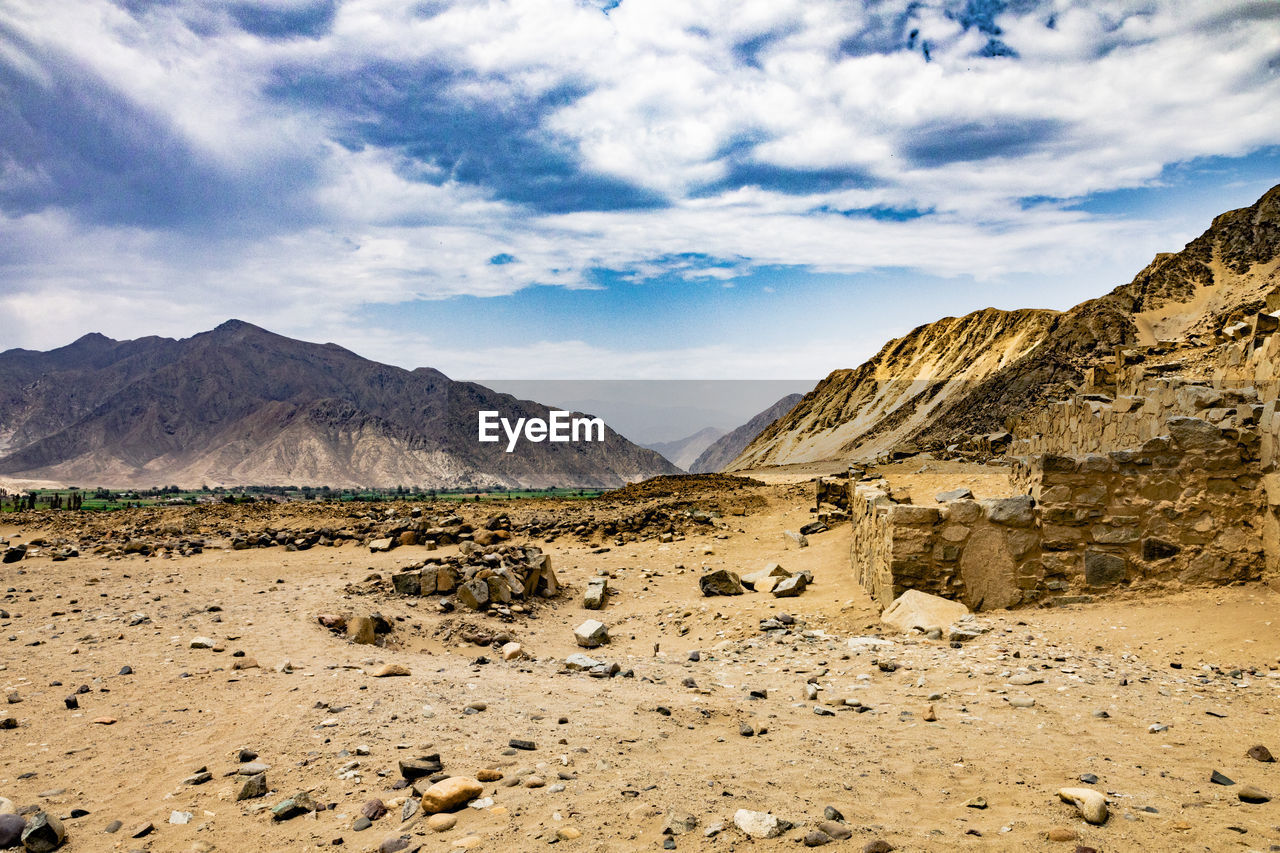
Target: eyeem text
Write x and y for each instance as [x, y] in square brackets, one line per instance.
[560, 427]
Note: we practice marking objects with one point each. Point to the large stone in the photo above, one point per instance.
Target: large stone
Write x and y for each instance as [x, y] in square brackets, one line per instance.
[1012, 512]
[360, 629]
[989, 571]
[791, 587]
[1193, 433]
[721, 582]
[953, 495]
[920, 611]
[757, 824]
[597, 591]
[379, 545]
[44, 832]
[1102, 568]
[407, 583]
[298, 804]
[255, 786]
[11, 826]
[450, 794]
[473, 594]
[1091, 805]
[591, 633]
[773, 570]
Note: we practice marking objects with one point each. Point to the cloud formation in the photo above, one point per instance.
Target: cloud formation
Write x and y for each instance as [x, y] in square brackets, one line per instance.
[164, 165]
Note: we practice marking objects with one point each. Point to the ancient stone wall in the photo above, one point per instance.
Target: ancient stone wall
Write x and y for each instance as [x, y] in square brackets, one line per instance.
[984, 553]
[1186, 506]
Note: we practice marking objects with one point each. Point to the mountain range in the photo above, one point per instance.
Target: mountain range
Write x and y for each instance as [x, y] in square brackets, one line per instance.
[241, 405]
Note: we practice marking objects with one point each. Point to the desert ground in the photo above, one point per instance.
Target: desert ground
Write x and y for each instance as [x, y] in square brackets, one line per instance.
[921, 744]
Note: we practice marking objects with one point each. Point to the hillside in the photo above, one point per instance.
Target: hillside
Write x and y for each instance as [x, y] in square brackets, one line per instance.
[726, 448]
[683, 451]
[954, 378]
[240, 405]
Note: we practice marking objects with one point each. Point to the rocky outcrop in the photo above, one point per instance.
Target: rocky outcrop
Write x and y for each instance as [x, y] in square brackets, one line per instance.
[727, 447]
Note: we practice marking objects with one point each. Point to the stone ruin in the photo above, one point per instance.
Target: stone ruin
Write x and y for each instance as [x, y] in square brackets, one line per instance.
[479, 578]
[1149, 476]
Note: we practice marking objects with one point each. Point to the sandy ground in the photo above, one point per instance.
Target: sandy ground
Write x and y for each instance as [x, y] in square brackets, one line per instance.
[624, 762]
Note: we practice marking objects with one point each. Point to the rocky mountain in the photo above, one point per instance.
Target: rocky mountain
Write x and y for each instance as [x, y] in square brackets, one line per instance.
[958, 377]
[726, 448]
[683, 451]
[241, 405]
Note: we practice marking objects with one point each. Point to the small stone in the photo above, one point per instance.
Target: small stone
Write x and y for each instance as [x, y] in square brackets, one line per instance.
[142, 830]
[930, 715]
[489, 775]
[299, 803]
[390, 670]
[1260, 753]
[180, 818]
[976, 803]
[113, 827]
[409, 809]
[816, 838]
[526, 745]
[534, 782]
[361, 824]
[512, 651]
[1021, 702]
[202, 643]
[591, 634]
[450, 794]
[395, 845]
[835, 829]
[678, 823]
[198, 778]
[745, 730]
[1219, 779]
[416, 768]
[253, 768]
[1250, 794]
[1061, 834]
[1091, 805]
[11, 827]
[568, 833]
[441, 822]
[373, 809]
[877, 846]
[757, 824]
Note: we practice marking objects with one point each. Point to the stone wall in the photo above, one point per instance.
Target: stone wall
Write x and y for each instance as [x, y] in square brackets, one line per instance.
[1183, 507]
[984, 553]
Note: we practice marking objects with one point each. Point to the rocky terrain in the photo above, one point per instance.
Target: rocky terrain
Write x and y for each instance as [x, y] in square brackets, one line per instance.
[260, 677]
[726, 448]
[240, 405]
[957, 378]
[683, 452]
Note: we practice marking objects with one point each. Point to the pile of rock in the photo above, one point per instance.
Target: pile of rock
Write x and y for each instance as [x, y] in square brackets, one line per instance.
[771, 579]
[479, 578]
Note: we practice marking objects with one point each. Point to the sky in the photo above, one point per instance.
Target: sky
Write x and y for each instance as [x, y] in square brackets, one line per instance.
[582, 189]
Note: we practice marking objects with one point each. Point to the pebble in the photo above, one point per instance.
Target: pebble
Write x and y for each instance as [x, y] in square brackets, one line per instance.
[449, 794]
[389, 670]
[489, 775]
[1091, 805]
[816, 838]
[441, 822]
[1260, 753]
[1250, 794]
[835, 829]
[254, 786]
[877, 846]
[11, 826]
[568, 833]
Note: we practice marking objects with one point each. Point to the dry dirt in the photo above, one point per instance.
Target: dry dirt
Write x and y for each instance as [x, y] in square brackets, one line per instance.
[893, 775]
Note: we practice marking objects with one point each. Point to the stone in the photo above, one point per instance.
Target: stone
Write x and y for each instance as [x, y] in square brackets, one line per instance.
[773, 570]
[1012, 512]
[518, 743]
[361, 824]
[591, 634]
[678, 823]
[442, 822]
[954, 495]
[44, 832]
[253, 768]
[816, 838]
[489, 774]
[416, 768]
[835, 829]
[877, 846]
[390, 670]
[976, 803]
[473, 594]
[800, 539]
[254, 786]
[374, 809]
[450, 794]
[1250, 794]
[1091, 805]
[720, 582]
[360, 630]
[408, 583]
[202, 643]
[579, 661]
[1193, 433]
[1021, 702]
[790, 587]
[568, 833]
[1220, 779]
[1102, 568]
[299, 803]
[757, 824]
[1061, 834]
[920, 611]
[512, 651]
[7, 807]
[377, 546]
[177, 818]
[142, 830]
[11, 827]
[395, 845]
[596, 593]
[1260, 753]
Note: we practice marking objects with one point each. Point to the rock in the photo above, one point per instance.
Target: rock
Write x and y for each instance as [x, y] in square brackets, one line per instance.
[526, 745]
[381, 545]
[441, 822]
[409, 809]
[395, 845]
[360, 630]
[198, 778]
[361, 824]
[1013, 512]
[7, 807]
[534, 782]
[253, 768]
[959, 494]
[832, 813]
[591, 634]
[678, 823]
[254, 786]
[816, 838]
[757, 824]
[473, 594]
[568, 833]
[800, 539]
[44, 832]
[299, 803]
[773, 570]
[373, 809]
[579, 661]
[416, 768]
[877, 846]
[745, 730]
[1219, 779]
[390, 670]
[450, 794]
[596, 592]
[1103, 569]
[790, 587]
[835, 829]
[1025, 679]
[1091, 805]
[1021, 702]
[11, 827]
[142, 830]
[1060, 834]
[178, 818]
[202, 643]
[512, 651]
[489, 774]
[720, 582]
[920, 611]
[1250, 794]
[408, 583]
[1260, 753]
[14, 553]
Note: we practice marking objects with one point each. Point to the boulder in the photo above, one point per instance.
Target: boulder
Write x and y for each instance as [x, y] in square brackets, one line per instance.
[450, 794]
[473, 594]
[920, 611]
[790, 587]
[44, 833]
[408, 583]
[720, 582]
[591, 633]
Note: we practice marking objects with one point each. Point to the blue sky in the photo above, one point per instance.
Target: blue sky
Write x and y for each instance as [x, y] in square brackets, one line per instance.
[574, 189]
